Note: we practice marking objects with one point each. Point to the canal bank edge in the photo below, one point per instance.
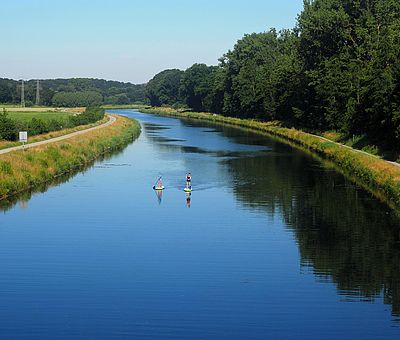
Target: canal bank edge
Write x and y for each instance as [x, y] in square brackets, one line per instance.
[379, 177]
[23, 170]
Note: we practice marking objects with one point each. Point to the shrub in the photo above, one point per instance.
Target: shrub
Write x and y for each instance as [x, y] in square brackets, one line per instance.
[8, 128]
[5, 167]
[37, 126]
[91, 115]
[55, 125]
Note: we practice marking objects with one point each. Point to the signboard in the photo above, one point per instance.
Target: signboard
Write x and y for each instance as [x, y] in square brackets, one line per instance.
[23, 136]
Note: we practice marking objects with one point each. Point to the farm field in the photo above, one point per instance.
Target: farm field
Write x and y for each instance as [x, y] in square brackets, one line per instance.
[26, 116]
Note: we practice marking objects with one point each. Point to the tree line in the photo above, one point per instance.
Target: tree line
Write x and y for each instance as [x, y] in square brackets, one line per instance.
[337, 69]
[72, 92]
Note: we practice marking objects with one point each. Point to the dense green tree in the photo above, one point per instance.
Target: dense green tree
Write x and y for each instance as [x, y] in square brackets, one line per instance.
[37, 126]
[163, 89]
[350, 50]
[6, 90]
[72, 99]
[8, 127]
[197, 87]
[256, 76]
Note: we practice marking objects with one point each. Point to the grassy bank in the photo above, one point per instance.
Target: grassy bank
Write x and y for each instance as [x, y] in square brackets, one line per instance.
[376, 175]
[45, 136]
[21, 170]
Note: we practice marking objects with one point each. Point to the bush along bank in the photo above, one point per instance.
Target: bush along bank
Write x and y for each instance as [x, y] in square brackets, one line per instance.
[378, 176]
[22, 170]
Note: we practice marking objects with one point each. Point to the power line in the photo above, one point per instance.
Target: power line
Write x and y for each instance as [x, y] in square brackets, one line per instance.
[22, 94]
[37, 93]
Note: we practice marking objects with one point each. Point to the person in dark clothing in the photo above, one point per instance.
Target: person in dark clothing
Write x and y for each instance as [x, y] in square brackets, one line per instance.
[188, 180]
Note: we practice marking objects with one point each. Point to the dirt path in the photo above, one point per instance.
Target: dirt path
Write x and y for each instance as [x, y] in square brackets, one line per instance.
[57, 139]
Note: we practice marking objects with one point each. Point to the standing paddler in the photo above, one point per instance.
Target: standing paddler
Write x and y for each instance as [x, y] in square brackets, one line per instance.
[188, 180]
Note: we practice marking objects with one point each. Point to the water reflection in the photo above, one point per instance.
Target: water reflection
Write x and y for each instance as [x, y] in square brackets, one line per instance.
[188, 199]
[342, 232]
[159, 194]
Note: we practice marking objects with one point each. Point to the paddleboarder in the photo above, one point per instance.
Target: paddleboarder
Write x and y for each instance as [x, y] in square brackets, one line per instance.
[188, 180]
[159, 184]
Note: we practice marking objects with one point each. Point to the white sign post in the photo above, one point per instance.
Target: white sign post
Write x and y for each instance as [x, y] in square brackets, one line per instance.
[23, 138]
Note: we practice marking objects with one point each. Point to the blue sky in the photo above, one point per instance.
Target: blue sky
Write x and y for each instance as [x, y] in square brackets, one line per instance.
[127, 40]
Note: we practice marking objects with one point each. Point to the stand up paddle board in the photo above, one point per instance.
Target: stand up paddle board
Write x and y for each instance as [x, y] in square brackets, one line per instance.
[187, 189]
[158, 188]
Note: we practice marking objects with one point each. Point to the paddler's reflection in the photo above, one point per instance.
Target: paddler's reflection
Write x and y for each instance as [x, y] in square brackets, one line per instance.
[159, 195]
[188, 199]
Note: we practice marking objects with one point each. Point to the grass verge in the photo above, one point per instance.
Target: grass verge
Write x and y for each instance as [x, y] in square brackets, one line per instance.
[22, 170]
[378, 176]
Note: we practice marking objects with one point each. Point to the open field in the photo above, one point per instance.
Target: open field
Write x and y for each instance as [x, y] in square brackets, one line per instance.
[26, 116]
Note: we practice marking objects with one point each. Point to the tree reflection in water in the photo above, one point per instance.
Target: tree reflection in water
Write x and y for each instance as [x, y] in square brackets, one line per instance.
[342, 232]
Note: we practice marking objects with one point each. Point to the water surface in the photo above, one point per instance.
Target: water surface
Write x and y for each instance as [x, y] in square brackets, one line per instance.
[272, 243]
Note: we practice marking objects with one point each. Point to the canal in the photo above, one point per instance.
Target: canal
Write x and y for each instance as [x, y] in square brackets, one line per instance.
[271, 243]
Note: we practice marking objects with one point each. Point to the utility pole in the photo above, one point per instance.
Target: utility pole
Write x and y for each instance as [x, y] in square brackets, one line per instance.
[22, 94]
[37, 93]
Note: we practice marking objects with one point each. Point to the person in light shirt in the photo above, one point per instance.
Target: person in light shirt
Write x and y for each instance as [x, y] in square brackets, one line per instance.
[188, 180]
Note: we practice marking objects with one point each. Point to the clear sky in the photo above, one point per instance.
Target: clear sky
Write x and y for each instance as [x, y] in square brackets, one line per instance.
[127, 40]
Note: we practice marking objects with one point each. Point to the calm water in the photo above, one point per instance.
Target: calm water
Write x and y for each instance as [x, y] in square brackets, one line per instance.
[271, 244]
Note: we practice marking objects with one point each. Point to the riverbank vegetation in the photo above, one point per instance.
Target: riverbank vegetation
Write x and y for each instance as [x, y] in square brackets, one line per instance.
[338, 70]
[36, 123]
[21, 170]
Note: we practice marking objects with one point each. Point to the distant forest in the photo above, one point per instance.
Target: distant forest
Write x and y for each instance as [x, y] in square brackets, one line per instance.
[72, 92]
[337, 69]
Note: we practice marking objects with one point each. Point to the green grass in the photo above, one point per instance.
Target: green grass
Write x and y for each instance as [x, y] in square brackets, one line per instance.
[26, 116]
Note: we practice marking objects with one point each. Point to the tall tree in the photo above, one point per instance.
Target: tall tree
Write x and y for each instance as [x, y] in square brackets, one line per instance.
[163, 89]
[197, 87]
